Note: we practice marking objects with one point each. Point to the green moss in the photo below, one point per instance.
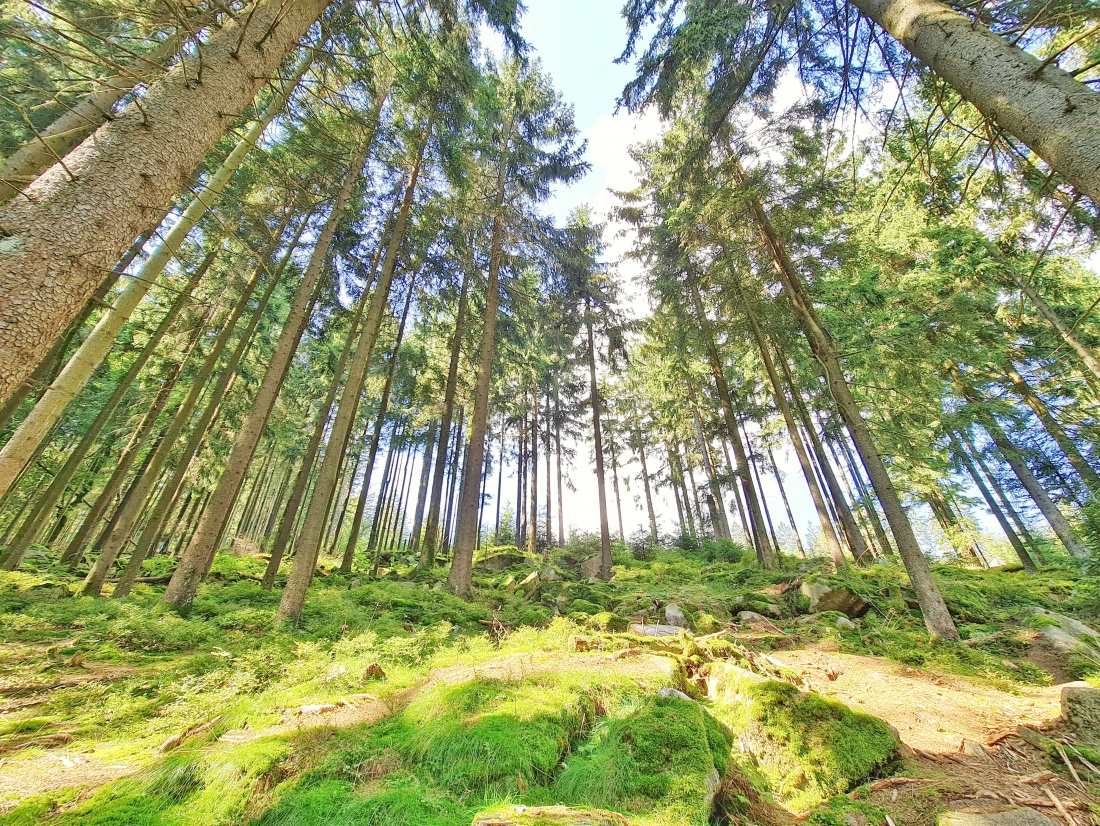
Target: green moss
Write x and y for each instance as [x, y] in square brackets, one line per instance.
[581, 606]
[606, 621]
[653, 758]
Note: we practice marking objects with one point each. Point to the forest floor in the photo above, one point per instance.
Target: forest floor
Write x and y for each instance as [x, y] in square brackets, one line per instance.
[396, 702]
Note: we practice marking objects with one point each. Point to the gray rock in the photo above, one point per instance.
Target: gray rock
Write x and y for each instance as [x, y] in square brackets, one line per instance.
[1068, 635]
[672, 692]
[529, 582]
[824, 597]
[591, 566]
[550, 575]
[983, 812]
[675, 616]
[845, 624]
[714, 782]
[751, 617]
[500, 561]
[1081, 710]
[655, 630]
[593, 580]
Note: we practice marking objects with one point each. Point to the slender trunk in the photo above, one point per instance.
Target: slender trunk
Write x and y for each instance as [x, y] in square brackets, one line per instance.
[756, 518]
[460, 577]
[1041, 105]
[521, 485]
[676, 471]
[1092, 364]
[97, 345]
[645, 483]
[1006, 503]
[500, 477]
[533, 520]
[305, 559]
[549, 518]
[1054, 517]
[937, 618]
[124, 175]
[198, 557]
[763, 501]
[786, 505]
[676, 497]
[714, 501]
[381, 502]
[422, 488]
[1042, 412]
[613, 450]
[832, 542]
[453, 497]
[867, 499]
[737, 498]
[605, 535]
[431, 528]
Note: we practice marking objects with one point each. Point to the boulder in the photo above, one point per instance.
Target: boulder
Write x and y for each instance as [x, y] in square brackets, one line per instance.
[548, 816]
[672, 692]
[985, 812]
[593, 580]
[1066, 634]
[751, 617]
[500, 561]
[674, 615]
[590, 567]
[655, 630]
[1081, 710]
[509, 583]
[824, 597]
[529, 582]
[550, 575]
[845, 624]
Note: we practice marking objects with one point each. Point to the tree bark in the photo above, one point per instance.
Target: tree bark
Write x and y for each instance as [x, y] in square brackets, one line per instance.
[937, 619]
[645, 483]
[198, 557]
[714, 501]
[533, 519]
[597, 435]
[78, 218]
[1092, 364]
[1041, 105]
[460, 577]
[422, 488]
[786, 505]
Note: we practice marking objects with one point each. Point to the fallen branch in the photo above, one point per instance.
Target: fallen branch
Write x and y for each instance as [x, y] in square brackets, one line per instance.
[177, 739]
[1062, 809]
[890, 782]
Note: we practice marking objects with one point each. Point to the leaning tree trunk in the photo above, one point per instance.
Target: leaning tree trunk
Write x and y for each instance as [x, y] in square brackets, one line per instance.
[832, 542]
[936, 616]
[309, 539]
[1043, 106]
[460, 577]
[1042, 412]
[80, 119]
[97, 345]
[756, 517]
[77, 219]
[1092, 363]
[198, 557]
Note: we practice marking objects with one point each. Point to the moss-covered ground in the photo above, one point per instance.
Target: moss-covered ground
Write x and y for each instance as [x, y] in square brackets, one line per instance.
[396, 702]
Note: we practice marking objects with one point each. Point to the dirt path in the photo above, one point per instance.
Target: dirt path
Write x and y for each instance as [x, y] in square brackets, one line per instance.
[932, 712]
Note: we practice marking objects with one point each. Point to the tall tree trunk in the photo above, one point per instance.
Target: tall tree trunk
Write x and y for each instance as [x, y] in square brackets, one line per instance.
[615, 483]
[714, 500]
[1092, 364]
[994, 508]
[1065, 443]
[645, 483]
[832, 542]
[305, 559]
[80, 119]
[676, 473]
[533, 520]
[786, 505]
[121, 177]
[557, 454]
[937, 619]
[381, 502]
[431, 527]
[1043, 106]
[453, 499]
[376, 435]
[763, 499]
[867, 499]
[44, 505]
[422, 488]
[198, 557]
[500, 477]
[1054, 517]
[756, 518]
[36, 318]
[549, 518]
[460, 577]
[594, 390]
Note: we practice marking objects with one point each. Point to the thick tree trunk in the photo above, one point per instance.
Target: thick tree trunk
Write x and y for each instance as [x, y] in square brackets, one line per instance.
[198, 557]
[460, 577]
[1043, 106]
[435, 503]
[832, 542]
[308, 547]
[936, 616]
[77, 219]
[80, 119]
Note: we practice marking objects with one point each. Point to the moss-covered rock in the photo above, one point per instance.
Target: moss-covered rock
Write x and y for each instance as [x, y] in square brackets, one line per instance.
[547, 816]
[664, 758]
[808, 748]
[606, 621]
[581, 606]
